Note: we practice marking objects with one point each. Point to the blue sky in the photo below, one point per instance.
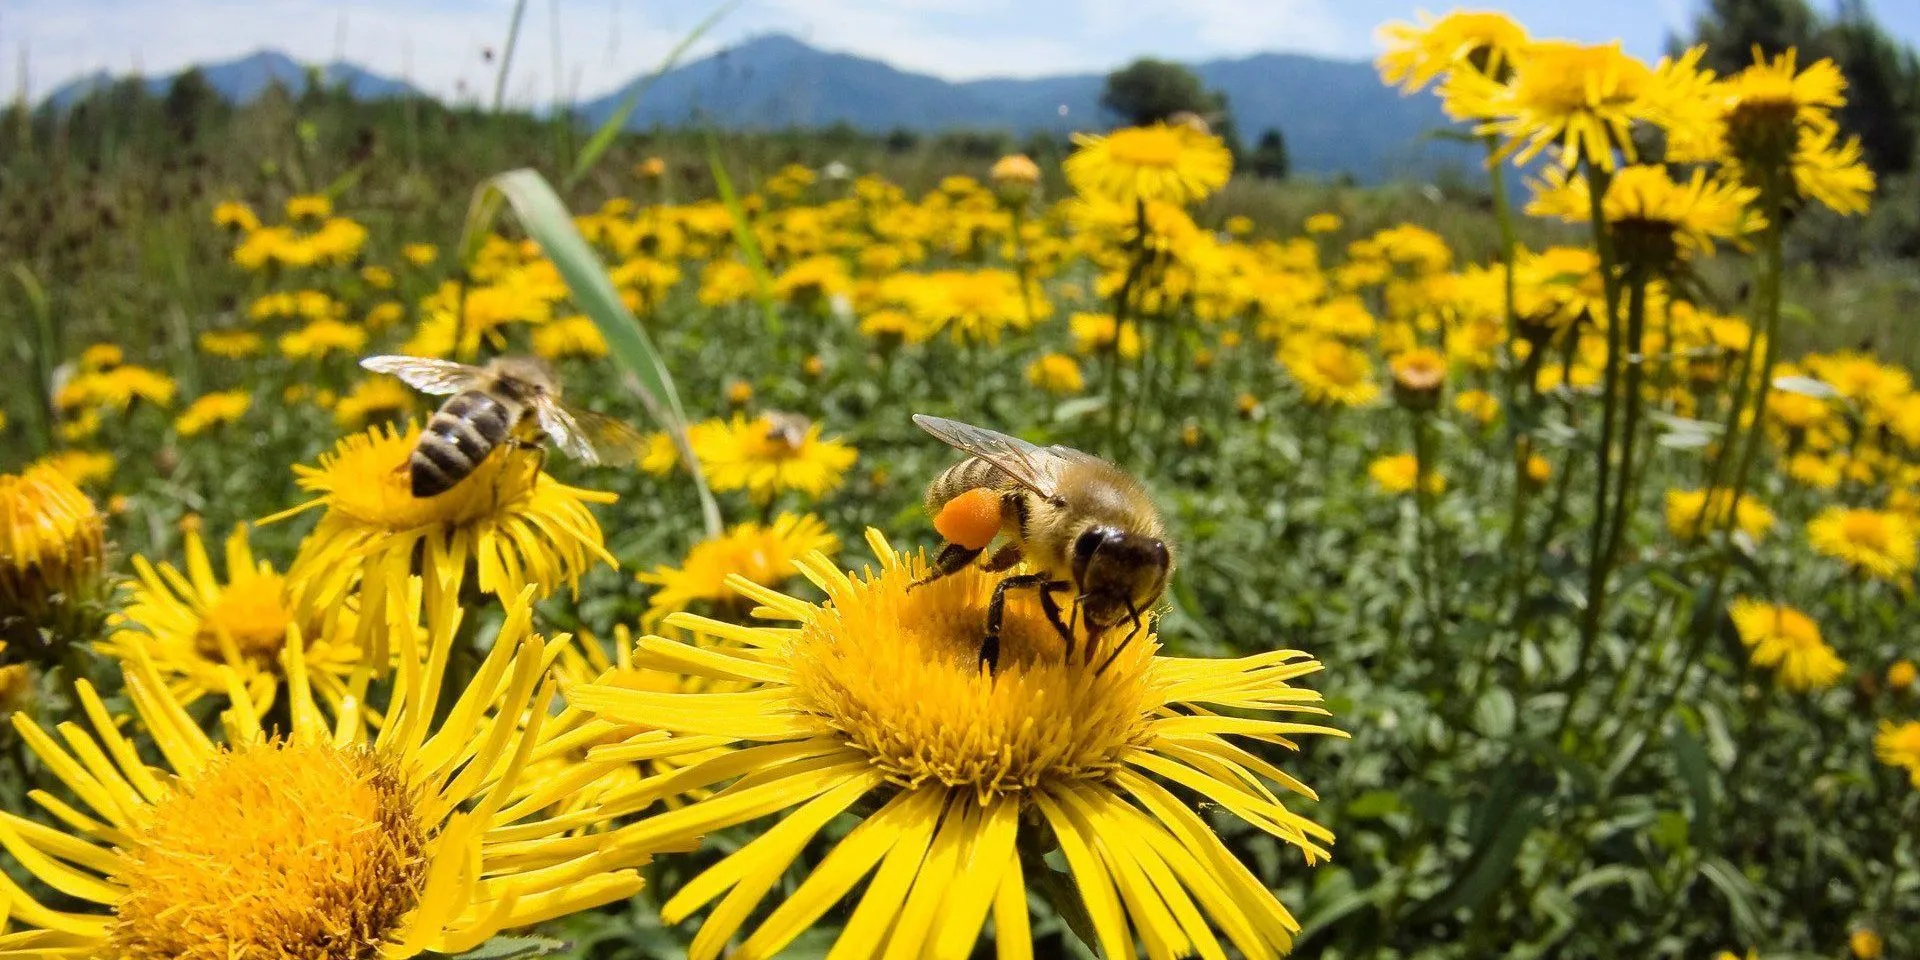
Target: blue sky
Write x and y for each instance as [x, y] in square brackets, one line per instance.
[599, 44]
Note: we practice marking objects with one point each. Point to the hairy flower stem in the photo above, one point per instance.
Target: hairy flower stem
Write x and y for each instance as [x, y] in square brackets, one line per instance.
[1594, 614]
[1424, 526]
[1122, 298]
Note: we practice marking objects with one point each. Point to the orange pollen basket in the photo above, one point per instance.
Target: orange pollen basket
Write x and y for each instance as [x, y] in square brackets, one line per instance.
[971, 519]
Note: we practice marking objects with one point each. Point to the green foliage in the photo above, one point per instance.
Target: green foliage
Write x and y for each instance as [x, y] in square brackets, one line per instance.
[1269, 158]
[1148, 90]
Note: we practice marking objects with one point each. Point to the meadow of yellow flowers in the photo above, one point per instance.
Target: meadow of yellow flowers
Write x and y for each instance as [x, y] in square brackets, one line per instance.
[1540, 605]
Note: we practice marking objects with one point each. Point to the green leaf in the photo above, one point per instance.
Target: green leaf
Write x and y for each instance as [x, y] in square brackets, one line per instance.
[1487, 870]
[547, 221]
[1078, 407]
[1739, 894]
[1493, 715]
[617, 121]
[1690, 759]
[513, 948]
[1375, 804]
[744, 236]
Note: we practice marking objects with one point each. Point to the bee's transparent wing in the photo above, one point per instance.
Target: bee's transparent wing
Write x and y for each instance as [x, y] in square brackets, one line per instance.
[425, 374]
[587, 436]
[1035, 468]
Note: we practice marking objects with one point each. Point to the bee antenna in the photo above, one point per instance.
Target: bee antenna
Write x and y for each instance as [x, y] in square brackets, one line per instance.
[1133, 618]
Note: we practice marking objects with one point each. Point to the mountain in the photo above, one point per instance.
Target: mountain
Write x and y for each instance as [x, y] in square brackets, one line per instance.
[1336, 115]
[243, 79]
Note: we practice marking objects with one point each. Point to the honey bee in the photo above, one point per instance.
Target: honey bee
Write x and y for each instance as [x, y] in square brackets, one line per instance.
[1082, 524]
[488, 405]
[787, 428]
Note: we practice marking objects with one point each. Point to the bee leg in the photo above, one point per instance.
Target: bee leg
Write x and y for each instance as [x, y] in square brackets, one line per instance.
[1051, 607]
[952, 559]
[1003, 558]
[1133, 620]
[997, 609]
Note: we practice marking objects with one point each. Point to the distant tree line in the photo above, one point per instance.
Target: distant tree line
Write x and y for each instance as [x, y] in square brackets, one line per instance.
[1151, 91]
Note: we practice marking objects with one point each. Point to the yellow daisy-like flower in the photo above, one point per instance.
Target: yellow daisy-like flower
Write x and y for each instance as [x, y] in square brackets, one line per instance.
[1875, 542]
[1170, 163]
[1787, 641]
[1832, 172]
[212, 410]
[235, 215]
[52, 542]
[1098, 333]
[201, 633]
[878, 695]
[1056, 373]
[84, 467]
[1479, 405]
[420, 254]
[117, 388]
[322, 337]
[1582, 98]
[1330, 373]
[1899, 746]
[515, 524]
[1865, 944]
[1901, 675]
[1399, 473]
[1417, 54]
[309, 206]
[1693, 512]
[327, 842]
[767, 456]
[1658, 221]
[372, 400]
[231, 344]
[764, 554]
[575, 336]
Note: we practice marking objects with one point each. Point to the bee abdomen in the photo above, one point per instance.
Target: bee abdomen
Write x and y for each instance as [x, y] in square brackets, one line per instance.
[460, 435]
[968, 474]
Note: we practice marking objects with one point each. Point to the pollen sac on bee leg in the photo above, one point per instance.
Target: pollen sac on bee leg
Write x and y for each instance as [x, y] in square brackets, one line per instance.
[971, 519]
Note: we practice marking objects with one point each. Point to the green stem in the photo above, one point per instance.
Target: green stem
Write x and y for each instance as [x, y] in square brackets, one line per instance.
[506, 54]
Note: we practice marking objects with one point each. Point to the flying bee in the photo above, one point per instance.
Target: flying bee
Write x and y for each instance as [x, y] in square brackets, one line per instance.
[488, 406]
[1082, 524]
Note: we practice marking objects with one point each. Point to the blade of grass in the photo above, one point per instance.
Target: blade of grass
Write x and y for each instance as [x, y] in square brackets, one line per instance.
[547, 221]
[617, 121]
[744, 236]
[37, 352]
[506, 54]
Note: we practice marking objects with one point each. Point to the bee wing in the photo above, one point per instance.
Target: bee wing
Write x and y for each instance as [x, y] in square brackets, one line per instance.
[587, 436]
[425, 374]
[1036, 468]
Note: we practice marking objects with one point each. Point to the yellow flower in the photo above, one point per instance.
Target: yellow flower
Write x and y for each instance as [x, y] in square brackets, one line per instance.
[200, 634]
[1814, 470]
[517, 526]
[374, 399]
[1788, 641]
[1095, 333]
[1539, 471]
[212, 409]
[1398, 473]
[814, 281]
[52, 543]
[322, 337]
[1832, 172]
[1477, 404]
[1692, 512]
[1865, 944]
[1170, 163]
[116, 388]
[972, 306]
[878, 695]
[1481, 41]
[309, 206]
[234, 215]
[1418, 376]
[1657, 220]
[1901, 675]
[767, 456]
[377, 277]
[327, 840]
[1899, 746]
[1581, 98]
[231, 344]
[575, 336]
[1330, 373]
[83, 467]
[766, 555]
[420, 254]
[1056, 373]
[385, 314]
[1873, 542]
[1323, 223]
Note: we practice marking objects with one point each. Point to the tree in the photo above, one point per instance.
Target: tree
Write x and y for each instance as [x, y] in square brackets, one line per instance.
[1732, 28]
[1269, 160]
[188, 97]
[1883, 89]
[1149, 90]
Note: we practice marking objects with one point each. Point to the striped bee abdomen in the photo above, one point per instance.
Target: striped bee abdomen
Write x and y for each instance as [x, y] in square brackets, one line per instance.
[966, 475]
[461, 433]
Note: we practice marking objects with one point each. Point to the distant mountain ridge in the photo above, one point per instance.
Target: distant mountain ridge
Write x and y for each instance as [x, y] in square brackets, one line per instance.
[248, 77]
[1336, 115]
